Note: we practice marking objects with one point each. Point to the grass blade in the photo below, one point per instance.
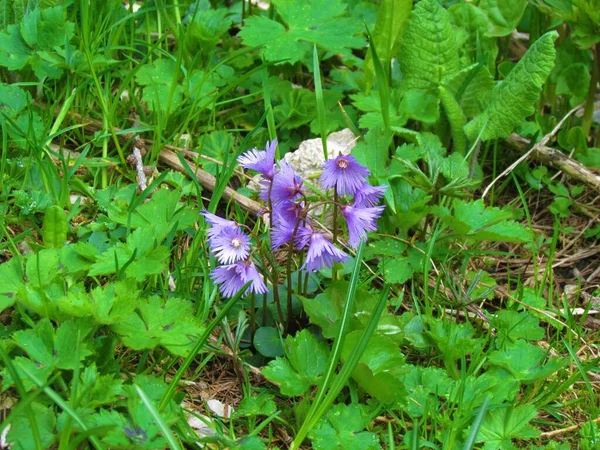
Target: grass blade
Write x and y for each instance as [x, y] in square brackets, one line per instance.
[470, 442]
[164, 428]
[322, 117]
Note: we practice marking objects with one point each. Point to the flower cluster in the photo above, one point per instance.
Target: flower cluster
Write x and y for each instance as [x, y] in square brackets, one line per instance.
[289, 204]
[231, 246]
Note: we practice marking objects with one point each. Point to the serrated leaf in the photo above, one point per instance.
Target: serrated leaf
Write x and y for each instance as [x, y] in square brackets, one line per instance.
[168, 322]
[320, 22]
[473, 220]
[40, 30]
[429, 51]
[502, 425]
[343, 429]
[513, 100]
[524, 361]
[55, 228]
[303, 367]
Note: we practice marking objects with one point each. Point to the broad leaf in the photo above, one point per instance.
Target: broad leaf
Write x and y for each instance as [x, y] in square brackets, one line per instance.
[513, 100]
[504, 15]
[429, 51]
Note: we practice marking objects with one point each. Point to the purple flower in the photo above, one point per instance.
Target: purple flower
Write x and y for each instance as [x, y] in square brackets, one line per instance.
[321, 253]
[287, 211]
[233, 277]
[230, 245]
[217, 224]
[263, 161]
[281, 233]
[359, 221]
[286, 184]
[345, 174]
[368, 195]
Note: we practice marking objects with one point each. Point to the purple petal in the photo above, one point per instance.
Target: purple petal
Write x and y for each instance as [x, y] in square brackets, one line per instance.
[368, 195]
[360, 221]
[321, 253]
[263, 161]
[230, 246]
[345, 174]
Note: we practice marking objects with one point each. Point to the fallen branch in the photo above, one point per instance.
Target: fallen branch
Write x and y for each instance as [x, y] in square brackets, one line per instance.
[209, 182]
[557, 160]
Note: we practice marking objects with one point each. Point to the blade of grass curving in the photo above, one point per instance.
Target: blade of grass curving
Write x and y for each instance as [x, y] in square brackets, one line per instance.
[321, 115]
[346, 371]
[470, 442]
[51, 393]
[168, 395]
[35, 431]
[382, 83]
[344, 322]
[164, 428]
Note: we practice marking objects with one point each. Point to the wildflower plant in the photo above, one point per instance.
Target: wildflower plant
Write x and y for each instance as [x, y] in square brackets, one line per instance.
[296, 234]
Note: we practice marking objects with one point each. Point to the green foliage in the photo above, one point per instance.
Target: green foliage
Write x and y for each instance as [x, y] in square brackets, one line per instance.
[319, 22]
[34, 42]
[429, 51]
[343, 429]
[306, 358]
[513, 99]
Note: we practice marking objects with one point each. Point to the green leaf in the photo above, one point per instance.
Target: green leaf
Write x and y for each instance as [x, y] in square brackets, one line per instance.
[158, 78]
[574, 82]
[54, 231]
[502, 425]
[429, 51]
[513, 325]
[40, 30]
[523, 360]
[513, 100]
[380, 369]
[268, 342]
[372, 151]
[504, 15]
[324, 311]
[11, 280]
[453, 340]
[473, 220]
[471, 87]
[20, 437]
[257, 405]
[305, 363]
[320, 22]
[392, 18]
[168, 322]
[99, 389]
[456, 118]
[420, 105]
[474, 45]
[343, 429]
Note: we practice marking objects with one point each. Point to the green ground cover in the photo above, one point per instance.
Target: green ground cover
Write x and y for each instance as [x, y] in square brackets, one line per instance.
[341, 224]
